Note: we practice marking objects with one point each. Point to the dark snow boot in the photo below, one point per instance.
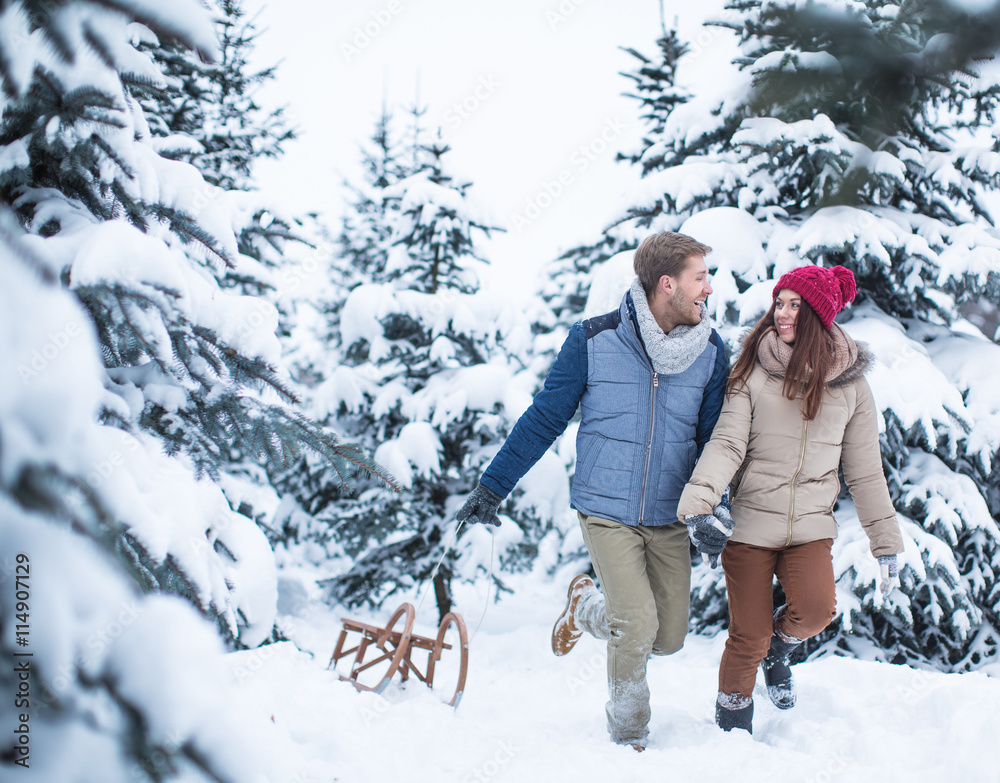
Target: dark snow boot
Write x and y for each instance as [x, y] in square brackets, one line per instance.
[733, 711]
[777, 672]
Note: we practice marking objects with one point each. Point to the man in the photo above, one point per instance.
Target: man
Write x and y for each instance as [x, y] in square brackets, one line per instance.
[650, 377]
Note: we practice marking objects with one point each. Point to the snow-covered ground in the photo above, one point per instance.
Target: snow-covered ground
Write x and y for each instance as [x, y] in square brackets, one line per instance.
[529, 716]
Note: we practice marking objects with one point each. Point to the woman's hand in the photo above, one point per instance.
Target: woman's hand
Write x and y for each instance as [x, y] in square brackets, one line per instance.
[889, 571]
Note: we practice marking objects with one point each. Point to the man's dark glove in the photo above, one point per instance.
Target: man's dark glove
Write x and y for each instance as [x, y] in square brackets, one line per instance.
[481, 506]
[711, 532]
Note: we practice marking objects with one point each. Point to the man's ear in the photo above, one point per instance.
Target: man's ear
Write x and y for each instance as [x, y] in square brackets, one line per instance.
[666, 284]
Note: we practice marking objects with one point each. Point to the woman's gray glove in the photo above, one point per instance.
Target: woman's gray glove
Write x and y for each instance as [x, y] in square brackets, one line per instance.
[481, 506]
[711, 532]
[889, 571]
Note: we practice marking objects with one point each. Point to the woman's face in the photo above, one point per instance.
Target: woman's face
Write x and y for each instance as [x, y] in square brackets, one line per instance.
[786, 312]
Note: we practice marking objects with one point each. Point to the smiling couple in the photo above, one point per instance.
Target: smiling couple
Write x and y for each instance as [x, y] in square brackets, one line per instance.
[663, 433]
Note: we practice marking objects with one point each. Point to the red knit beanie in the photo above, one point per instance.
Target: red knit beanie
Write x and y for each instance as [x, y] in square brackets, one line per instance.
[826, 290]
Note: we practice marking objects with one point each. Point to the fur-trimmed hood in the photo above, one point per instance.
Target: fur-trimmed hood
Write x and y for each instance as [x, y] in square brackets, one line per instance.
[860, 368]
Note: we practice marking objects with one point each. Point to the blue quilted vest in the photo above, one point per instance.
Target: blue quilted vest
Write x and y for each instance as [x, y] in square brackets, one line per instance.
[635, 449]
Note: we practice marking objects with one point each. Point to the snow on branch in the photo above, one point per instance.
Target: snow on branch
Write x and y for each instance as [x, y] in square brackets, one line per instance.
[905, 381]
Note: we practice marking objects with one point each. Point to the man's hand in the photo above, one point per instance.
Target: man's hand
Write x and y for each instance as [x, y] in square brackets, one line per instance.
[710, 532]
[889, 571]
[481, 506]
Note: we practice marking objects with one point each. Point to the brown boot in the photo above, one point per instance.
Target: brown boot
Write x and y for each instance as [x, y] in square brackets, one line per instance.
[565, 632]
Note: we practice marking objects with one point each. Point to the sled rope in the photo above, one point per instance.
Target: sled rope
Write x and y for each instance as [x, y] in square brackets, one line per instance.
[489, 579]
[434, 573]
[489, 586]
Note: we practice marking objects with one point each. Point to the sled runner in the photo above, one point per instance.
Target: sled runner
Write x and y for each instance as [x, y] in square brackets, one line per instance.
[389, 650]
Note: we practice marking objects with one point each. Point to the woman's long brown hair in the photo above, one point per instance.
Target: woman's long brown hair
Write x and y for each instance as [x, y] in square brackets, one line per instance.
[813, 354]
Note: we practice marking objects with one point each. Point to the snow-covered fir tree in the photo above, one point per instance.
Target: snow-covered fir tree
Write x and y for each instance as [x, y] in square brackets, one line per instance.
[791, 158]
[207, 114]
[434, 242]
[360, 251]
[93, 513]
[215, 104]
[134, 235]
[654, 87]
[434, 375]
[366, 235]
[356, 256]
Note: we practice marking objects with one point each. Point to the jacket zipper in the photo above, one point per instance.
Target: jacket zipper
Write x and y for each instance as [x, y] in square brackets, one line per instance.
[791, 505]
[649, 441]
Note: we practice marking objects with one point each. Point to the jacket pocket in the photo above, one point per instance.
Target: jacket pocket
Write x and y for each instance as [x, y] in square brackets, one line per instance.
[585, 465]
[737, 482]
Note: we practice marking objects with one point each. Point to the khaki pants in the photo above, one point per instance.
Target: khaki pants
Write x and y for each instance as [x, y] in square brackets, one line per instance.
[641, 609]
[806, 575]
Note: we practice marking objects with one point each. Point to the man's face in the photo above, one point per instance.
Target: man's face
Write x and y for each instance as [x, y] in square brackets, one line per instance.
[688, 292]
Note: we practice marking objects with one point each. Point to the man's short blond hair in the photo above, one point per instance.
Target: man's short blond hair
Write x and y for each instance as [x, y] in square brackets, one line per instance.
[662, 254]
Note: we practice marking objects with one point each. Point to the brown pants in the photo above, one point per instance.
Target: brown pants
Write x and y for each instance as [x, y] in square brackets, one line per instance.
[806, 575]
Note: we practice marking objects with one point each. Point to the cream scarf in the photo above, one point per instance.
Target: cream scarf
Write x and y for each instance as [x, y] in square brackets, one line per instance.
[774, 355]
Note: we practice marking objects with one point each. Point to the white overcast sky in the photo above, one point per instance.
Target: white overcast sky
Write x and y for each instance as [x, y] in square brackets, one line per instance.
[527, 92]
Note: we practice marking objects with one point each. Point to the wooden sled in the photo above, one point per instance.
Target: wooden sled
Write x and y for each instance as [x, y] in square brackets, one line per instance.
[381, 652]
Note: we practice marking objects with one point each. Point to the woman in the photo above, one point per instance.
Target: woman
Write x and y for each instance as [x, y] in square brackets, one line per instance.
[797, 407]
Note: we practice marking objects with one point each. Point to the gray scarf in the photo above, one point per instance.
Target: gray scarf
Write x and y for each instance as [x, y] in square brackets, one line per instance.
[674, 352]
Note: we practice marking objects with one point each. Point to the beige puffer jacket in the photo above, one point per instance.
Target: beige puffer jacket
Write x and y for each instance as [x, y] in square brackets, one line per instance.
[784, 468]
